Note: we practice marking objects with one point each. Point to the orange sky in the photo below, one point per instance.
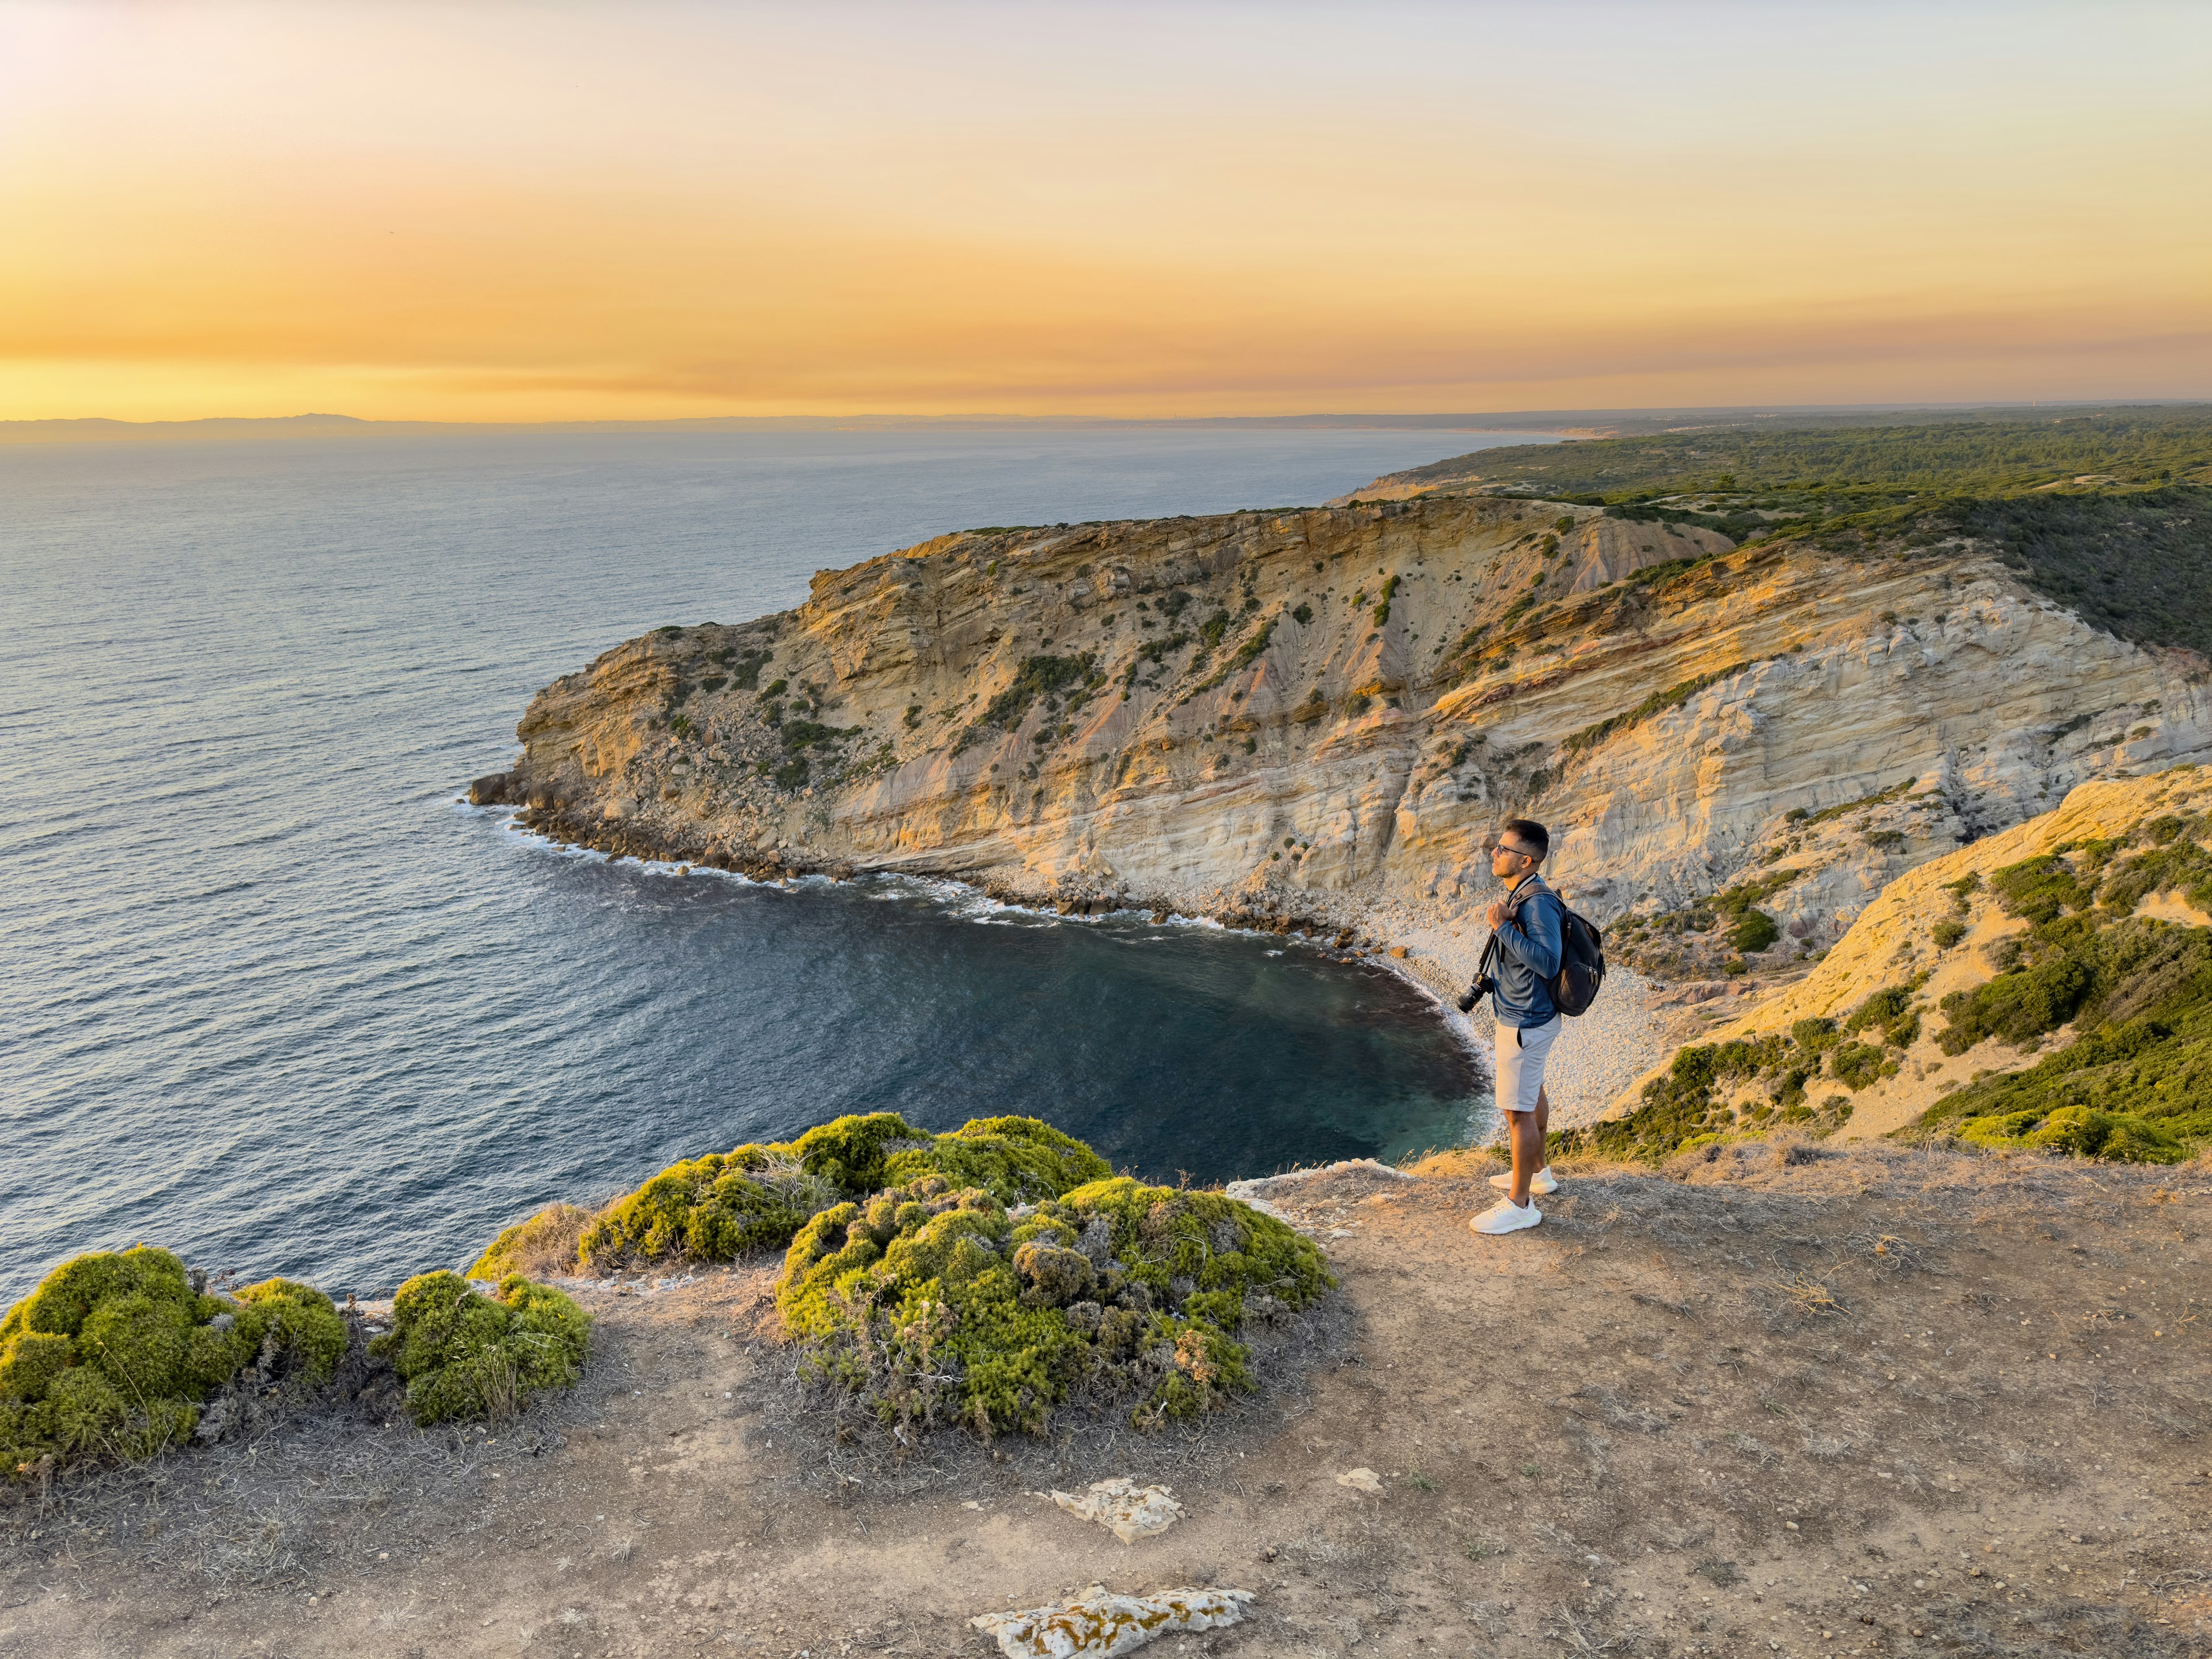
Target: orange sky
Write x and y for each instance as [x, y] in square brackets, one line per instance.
[484, 211]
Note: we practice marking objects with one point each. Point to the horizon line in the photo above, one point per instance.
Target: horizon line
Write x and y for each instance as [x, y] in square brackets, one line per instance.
[324, 423]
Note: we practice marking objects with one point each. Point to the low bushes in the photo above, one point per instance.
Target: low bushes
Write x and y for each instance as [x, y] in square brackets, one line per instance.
[937, 1306]
[114, 1354]
[2134, 1084]
[718, 1207]
[978, 1277]
[463, 1355]
[713, 1208]
[2082, 1130]
[1688, 1106]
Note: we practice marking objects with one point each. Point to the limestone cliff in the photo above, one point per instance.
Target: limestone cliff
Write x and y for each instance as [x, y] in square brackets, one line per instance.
[1318, 714]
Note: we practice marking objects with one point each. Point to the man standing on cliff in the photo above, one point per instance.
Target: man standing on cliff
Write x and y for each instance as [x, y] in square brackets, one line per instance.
[1526, 923]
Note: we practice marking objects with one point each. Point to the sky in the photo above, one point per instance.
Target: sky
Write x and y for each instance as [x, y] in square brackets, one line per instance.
[557, 211]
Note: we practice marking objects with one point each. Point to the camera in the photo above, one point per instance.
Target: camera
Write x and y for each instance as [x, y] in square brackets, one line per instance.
[1483, 986]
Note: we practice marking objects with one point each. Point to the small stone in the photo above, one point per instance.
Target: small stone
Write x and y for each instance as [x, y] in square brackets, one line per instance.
[1360, 1480]
[1125, 1509]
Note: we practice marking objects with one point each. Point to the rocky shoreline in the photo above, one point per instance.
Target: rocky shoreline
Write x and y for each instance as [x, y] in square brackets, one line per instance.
[1061, 895]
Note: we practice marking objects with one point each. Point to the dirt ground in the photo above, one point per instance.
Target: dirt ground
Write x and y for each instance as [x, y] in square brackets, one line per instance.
[1795, 1401]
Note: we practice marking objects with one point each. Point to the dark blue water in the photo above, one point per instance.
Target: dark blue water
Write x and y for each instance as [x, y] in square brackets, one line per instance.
[276, 1000]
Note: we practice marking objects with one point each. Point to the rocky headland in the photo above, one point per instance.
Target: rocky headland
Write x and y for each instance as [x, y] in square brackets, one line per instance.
[1307, 720]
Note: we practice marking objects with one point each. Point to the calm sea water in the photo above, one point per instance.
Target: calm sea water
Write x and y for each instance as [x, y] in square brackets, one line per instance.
[274, 999]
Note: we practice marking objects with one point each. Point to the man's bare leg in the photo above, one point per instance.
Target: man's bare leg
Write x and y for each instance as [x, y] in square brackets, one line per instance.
[1529, 1130]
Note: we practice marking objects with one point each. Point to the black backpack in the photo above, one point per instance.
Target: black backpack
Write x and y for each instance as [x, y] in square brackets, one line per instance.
[1581, 962]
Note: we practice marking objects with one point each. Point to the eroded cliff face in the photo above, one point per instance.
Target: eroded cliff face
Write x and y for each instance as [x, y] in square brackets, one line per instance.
[1319, 713]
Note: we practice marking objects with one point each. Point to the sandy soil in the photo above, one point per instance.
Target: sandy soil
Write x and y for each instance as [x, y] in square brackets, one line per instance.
[1788, 1400]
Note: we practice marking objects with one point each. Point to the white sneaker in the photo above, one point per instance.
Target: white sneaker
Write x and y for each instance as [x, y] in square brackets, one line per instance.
[1506, 1217]
[1542, 1181]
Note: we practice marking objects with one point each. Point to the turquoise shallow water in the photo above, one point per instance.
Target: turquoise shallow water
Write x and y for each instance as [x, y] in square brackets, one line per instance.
[276, 1000]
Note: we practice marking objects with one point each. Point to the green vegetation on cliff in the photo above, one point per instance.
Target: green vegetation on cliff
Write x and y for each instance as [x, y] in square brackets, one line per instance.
[2136, 1081]
[1994, 453]
[1770, 1078]
[718, 1207]
[979, 1277]
[1045, 678]
[936, 1306]
[2104, 510]
[464, 1356]
[114, 1354]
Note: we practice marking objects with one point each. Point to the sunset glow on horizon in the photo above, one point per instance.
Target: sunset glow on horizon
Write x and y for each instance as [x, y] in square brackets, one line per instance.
[499, 212]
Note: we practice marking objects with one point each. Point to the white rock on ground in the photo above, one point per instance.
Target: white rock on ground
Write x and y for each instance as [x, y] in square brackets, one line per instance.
[1098, 1624]
[1125, 1509]
[1360, 1480]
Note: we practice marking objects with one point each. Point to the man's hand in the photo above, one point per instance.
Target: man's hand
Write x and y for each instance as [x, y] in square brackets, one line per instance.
[1496, 915]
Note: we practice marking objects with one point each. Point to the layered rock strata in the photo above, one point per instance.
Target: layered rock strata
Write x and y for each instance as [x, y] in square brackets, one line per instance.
[1313, 717]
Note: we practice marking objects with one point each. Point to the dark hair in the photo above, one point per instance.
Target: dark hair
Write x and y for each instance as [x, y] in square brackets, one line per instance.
[1531, 834]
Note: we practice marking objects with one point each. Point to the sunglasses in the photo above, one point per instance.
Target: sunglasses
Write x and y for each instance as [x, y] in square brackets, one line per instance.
[1507, 846]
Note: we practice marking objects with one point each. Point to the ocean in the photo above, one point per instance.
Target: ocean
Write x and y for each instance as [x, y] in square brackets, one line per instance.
[278, 1001]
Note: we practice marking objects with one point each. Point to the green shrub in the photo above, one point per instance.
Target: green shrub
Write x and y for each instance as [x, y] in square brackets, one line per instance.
[2172, 864]
[2040, 888]
[1683, 1108]
[713, 1208]
[1857, 1064]
[1890, 1011]
[1754, 931]
[113, 1353]
[1038, 676]
[1015, 1159]
[464, 1356]
[1948, 933]
[937, 1306]
[849, 1154]
[2018, 1007]
[2084, 1131]
[304, 1322]
[1659, 702]
[718, 1207]
[1814, 1035]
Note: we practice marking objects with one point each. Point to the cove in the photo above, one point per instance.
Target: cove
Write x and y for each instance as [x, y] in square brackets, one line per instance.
[279, 1004]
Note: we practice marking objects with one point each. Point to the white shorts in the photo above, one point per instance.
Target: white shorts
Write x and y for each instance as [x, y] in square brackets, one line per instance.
[1522, 1052]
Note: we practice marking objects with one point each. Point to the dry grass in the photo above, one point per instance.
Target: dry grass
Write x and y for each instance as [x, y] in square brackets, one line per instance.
[1808, 1295]
[543, 1247]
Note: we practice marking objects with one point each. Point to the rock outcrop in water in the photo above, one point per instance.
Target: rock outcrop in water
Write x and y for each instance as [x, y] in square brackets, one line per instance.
[1316, 713]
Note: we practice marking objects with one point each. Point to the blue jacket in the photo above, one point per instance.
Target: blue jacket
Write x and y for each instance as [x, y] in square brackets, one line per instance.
[1528, 949]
